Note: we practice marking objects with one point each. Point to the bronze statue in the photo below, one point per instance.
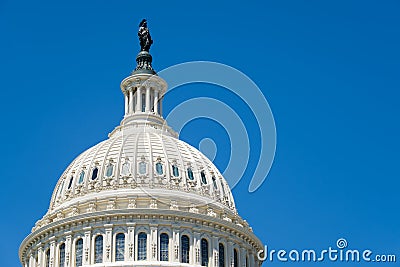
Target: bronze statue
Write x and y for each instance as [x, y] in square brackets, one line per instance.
[144, 36]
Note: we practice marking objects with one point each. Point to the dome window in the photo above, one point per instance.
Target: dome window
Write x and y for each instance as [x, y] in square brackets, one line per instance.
[70, 182]
[214, 182]
[109, 170]
[142, 168]
[159, 168]
[81, 177]
[204, 252]
[142, 246]
[126, 168]
[190, 173]
[95, 173]
[175, 170]
[185, 249]
[164, 242]
[119, 247]
[221, 252]
[203, 177]
[98, 250]
[78, 252]
[62, 255]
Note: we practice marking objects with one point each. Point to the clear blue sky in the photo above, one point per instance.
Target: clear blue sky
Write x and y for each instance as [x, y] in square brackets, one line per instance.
[329, 69]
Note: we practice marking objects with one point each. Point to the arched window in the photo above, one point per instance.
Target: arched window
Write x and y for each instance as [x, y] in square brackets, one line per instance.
[142, 167]
[164, 241]
[204, 252]
[94, 173]
[109, 170]
[81, 177]
[48, 258]
[159, 168]
[143, 102]
[221, 252]
[214, 182]
[142, 246]
[70, 182]
[190, 174]
[78, 252]
[175, 170]
[235, 258]
[62, 255]
[119, 247]
[185, 249]
[203, 177]
[98, 249]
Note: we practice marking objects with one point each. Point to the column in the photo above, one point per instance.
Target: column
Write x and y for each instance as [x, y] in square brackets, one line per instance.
[147, 108]
[130, 243]
[68, 249]
[155, 104]
[107, 241]
[52, 251]
[195, 259]
[139, 99]
[32, 261]
[86, 245]
[251, 258]
[176, 239]
[41, 257]
[130, 101]
[229, 254]
[215, 251]
[126, 104]
[242, 257]
[153, 242]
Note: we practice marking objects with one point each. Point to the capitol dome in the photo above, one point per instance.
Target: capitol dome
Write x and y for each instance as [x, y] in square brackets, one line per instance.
[141, 198]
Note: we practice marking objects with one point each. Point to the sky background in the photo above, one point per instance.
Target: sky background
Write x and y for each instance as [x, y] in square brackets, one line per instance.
[329, 70]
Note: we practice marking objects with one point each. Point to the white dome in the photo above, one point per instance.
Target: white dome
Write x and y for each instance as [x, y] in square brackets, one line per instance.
[141, 161]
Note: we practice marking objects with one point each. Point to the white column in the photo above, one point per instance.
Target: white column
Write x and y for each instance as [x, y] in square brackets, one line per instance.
[126, 103]
[52, 252]
[229, 254]
[155, 104]
[139, 99]
[130, 243]
[176, 239]
[32, 261]
[40, 257]
[215, 252]
[86, 245]
[153, 243]
[68, 249]
[243, 254]
[130, 101]
[107, 241]
[195, 259]
[147, 108]
[251, 258]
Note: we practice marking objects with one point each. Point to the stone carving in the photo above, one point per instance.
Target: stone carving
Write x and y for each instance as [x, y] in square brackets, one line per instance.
[132, 203]
[92, 207]
[153, 204]
[194, 209]
[210, 212]
[174, 205]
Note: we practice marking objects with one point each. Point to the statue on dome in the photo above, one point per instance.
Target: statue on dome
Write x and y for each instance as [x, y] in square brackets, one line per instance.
[144, 36]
